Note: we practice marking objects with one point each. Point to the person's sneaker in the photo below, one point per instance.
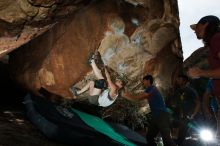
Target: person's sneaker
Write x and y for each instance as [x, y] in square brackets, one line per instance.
[74, 90]
[97, 56]
[91, 58]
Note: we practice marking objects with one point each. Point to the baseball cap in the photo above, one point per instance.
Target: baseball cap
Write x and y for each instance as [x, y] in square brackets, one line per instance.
[203, 20]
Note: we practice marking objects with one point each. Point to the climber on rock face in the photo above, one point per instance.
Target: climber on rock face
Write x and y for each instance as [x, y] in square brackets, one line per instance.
[103, 91]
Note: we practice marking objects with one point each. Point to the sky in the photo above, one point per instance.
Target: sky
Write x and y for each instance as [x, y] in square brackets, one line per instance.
[190, 11]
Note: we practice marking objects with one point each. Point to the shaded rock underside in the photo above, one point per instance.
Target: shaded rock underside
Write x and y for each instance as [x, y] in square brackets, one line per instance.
[48, 42]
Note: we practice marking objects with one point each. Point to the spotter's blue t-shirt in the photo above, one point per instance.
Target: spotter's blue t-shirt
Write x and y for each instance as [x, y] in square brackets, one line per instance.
[156, 101]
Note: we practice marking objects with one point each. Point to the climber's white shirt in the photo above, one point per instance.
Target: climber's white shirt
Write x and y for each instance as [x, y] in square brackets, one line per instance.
[104, 99]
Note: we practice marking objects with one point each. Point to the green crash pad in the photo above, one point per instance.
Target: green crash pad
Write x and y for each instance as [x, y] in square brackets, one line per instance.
[103, 127]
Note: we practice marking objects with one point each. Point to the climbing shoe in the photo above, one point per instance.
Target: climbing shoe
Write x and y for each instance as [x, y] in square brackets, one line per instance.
[74, 91]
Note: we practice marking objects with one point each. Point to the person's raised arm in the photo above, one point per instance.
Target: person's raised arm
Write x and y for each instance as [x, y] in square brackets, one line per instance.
[108, 78]
[140, 96]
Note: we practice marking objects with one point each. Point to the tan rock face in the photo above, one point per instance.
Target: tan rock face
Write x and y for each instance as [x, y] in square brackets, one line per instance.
[135, 38]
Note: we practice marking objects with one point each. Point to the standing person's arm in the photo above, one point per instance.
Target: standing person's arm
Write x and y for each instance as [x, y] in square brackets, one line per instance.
[197, 107]
[196, 72]
[197, 103]
[140, 96]
[206, 99]
[205, 105]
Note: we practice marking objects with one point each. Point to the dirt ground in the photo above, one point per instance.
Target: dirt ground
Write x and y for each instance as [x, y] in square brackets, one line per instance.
[17, 130]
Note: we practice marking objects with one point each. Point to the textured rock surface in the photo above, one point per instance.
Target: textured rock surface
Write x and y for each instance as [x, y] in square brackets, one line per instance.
[48, 43]
[23, 20]
[133, 40]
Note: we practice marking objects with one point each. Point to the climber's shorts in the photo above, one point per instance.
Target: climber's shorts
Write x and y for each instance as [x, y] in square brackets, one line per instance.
[100, 84]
